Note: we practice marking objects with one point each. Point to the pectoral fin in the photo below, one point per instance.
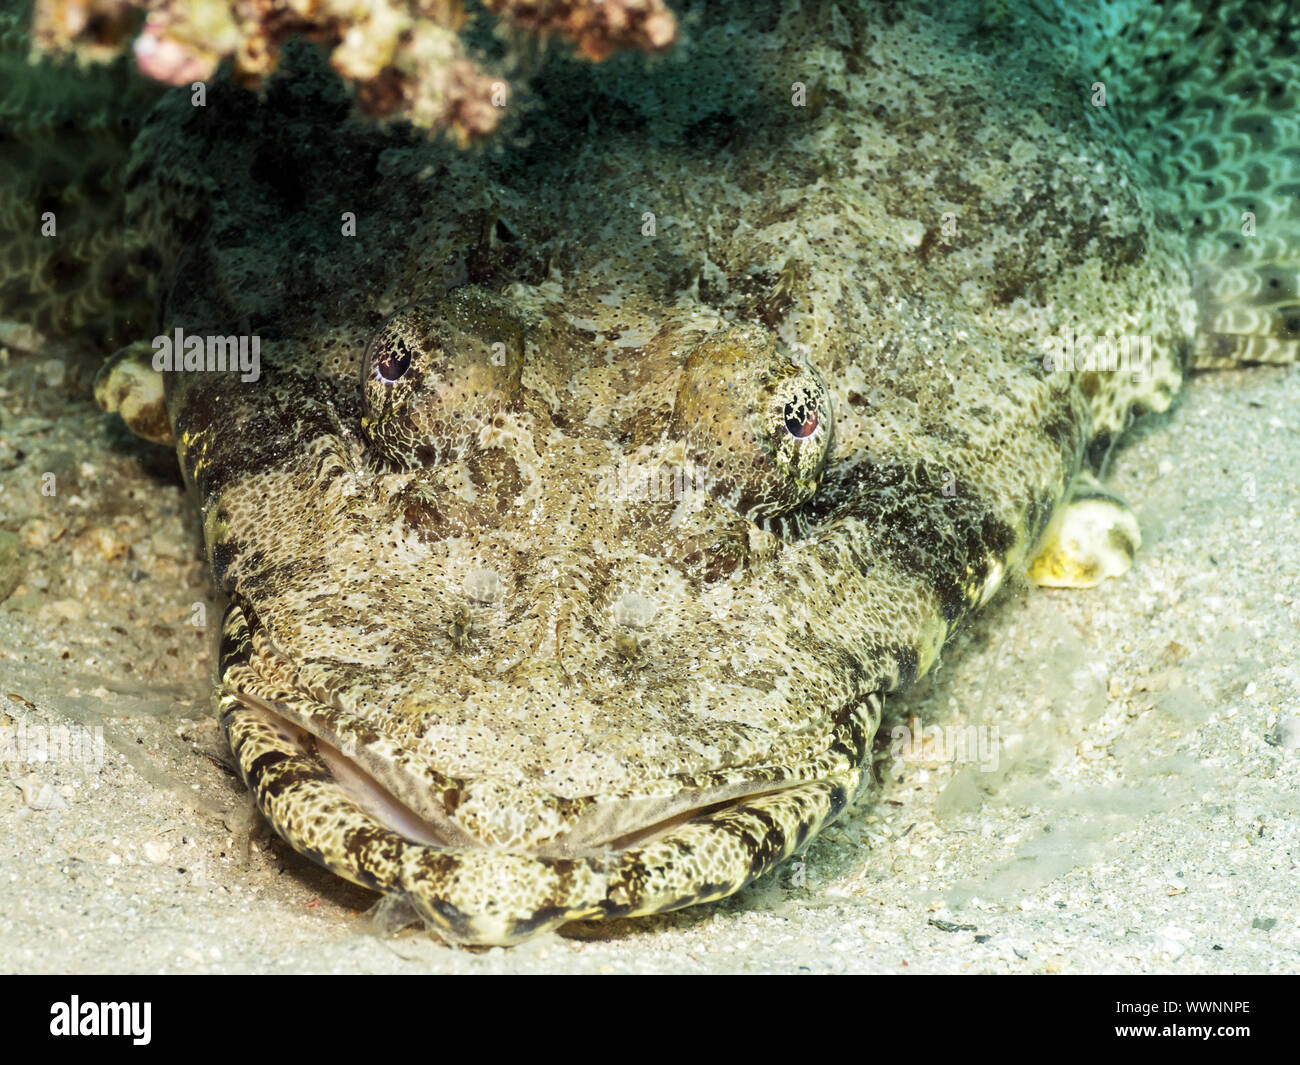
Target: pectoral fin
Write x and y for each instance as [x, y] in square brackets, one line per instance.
[127, 384]
[1094, 537]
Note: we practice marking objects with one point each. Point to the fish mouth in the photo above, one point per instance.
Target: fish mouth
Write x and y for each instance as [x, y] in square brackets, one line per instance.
[624, 858]
[620, 824]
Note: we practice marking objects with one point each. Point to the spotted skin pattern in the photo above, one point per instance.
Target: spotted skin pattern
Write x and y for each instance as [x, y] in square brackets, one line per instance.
[571, 559]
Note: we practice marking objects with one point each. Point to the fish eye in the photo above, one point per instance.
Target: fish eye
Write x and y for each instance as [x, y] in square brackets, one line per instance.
[436, 372]
[801, 419]
[757, 418]
[391, 359]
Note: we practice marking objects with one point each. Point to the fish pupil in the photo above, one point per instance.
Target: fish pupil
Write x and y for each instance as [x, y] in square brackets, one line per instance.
[800, 421]
[394, 362]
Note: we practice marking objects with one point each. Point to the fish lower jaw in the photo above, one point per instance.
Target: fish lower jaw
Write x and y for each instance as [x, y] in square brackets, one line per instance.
[325, 806]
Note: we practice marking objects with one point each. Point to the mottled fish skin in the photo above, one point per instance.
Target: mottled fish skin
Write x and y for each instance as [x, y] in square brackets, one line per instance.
[468, 661]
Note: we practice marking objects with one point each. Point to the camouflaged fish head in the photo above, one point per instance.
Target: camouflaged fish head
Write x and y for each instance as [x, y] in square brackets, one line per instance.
[556, 601]
[515, 637]
[594, 492]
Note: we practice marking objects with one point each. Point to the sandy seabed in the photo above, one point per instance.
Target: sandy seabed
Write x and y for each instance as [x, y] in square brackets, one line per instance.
[1100, 781]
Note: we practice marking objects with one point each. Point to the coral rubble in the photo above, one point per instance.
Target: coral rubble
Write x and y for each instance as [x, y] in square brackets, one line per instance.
[407, 58]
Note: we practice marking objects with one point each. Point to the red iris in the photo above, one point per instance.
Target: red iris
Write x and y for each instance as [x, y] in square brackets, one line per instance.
[800, 422]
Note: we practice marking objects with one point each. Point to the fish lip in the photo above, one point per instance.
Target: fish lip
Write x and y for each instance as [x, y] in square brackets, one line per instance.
[399, 816]
[408, 804]
[492, 895]
[467, 892]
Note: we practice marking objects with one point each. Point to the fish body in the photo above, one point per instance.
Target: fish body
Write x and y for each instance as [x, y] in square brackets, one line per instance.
[593, 494]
